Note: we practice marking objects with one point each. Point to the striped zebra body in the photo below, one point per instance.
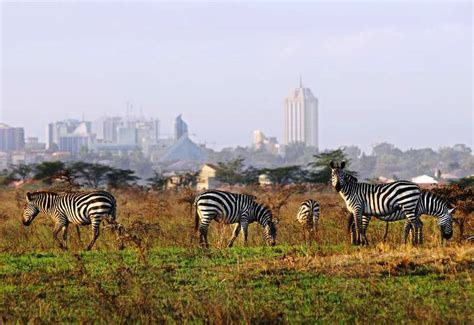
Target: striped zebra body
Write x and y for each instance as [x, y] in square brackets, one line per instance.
[78, 208]
[232, 208]
[428, 204]
[308, 215]
[365, 200]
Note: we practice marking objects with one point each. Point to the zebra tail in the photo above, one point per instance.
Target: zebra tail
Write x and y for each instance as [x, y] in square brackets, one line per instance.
[196, 220]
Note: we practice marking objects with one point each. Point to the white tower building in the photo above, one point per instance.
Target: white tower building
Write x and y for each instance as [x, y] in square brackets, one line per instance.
[301, 117]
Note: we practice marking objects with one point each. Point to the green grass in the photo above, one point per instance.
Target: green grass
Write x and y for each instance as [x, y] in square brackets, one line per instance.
[254, 284]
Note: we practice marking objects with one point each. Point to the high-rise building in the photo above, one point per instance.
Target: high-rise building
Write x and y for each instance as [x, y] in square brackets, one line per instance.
[11, 138]
[180, 127]
[301, 117]
[60, 129]
[70, 136]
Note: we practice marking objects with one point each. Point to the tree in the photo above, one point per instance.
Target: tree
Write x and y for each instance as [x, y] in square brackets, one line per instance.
[285, 175]
[47, 170]
[231, 172]
[187, 180]
[22, 171]
[158, 182]
[120, 177]
[92, 174]
[322, 170]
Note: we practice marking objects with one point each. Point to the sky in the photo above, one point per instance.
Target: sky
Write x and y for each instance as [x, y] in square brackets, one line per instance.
[398, 72]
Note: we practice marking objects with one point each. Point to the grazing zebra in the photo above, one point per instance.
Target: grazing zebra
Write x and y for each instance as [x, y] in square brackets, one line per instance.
[308, 215]
[79, 208]
[428, 204]
[232, 208]
[365, 200]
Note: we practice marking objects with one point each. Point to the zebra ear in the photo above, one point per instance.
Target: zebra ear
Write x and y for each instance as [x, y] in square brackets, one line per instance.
[343, 163]
[275, 221]
[28, 196]
[450, 211]
[332, 165]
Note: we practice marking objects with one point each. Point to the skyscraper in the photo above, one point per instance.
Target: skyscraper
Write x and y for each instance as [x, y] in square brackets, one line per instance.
[301, 117]
[11, 138]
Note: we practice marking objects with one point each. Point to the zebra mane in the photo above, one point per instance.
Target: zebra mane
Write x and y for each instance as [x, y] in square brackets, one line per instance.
[350, 178]
[36, 194]
[436, 197]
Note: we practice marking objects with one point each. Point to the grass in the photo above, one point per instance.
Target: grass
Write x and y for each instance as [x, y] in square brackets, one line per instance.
[287, 284]
[169, 279]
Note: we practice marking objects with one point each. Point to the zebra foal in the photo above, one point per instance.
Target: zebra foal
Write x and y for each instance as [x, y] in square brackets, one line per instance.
[78, 208]
[232, 208]
[308, 216]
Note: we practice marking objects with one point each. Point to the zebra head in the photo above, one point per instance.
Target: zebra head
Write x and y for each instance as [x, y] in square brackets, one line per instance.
[30, 211]
[338, 176]
[445, 223]
[270, 232]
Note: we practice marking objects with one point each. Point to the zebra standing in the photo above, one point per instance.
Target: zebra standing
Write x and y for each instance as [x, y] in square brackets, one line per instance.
[428, 204]
[232, 208]
[365, 200]
[308, 216]
[79, 208]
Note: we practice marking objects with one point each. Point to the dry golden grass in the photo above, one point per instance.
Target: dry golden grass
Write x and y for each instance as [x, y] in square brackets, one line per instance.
[162, 276]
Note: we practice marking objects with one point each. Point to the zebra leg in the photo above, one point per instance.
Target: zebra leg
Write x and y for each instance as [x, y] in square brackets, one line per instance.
[358, 225]
[365, 224]
[351, 228]
[407, 227]
[234, 235]
[417, 229]
[57, 228]
[203, 236]
[95, 228]
[65, 235]
[245, 230]
[78, 233]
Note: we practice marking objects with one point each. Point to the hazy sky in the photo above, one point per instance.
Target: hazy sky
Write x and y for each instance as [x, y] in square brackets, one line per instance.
[397, 72]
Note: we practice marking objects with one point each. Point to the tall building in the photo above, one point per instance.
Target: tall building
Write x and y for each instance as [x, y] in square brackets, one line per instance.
[70, 135]
[59, 129]
[180, 127]
[301, 117]
[11, 138]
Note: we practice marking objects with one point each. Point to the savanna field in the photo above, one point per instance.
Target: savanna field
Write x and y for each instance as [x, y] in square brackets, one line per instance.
[163, 276]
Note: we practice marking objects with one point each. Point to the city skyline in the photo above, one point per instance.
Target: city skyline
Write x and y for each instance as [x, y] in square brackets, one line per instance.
[382, 72]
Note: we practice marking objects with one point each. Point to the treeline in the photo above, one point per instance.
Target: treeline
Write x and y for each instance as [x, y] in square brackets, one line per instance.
[79, 173]
[238, 170]
[384, 160]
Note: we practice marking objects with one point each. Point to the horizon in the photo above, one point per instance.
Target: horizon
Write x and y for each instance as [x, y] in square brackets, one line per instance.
[404, 69]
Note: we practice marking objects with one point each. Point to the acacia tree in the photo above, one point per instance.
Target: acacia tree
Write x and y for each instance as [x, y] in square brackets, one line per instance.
[92, 174]
[285, 175]
[158, 182]
[321, 172]
[47, 170]
[231, 172]
[22, 171]
[120, 177]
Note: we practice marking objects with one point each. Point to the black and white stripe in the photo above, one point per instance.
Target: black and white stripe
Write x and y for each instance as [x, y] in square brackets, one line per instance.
[308, 215]
[78, 208]
[232, 208]
[365, 200]
[428, 204]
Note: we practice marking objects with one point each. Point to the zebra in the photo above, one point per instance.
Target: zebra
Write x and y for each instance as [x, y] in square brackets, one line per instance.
[232, 208]
[429, 204]
[365, 200]
[308, 216]
[79, 208]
